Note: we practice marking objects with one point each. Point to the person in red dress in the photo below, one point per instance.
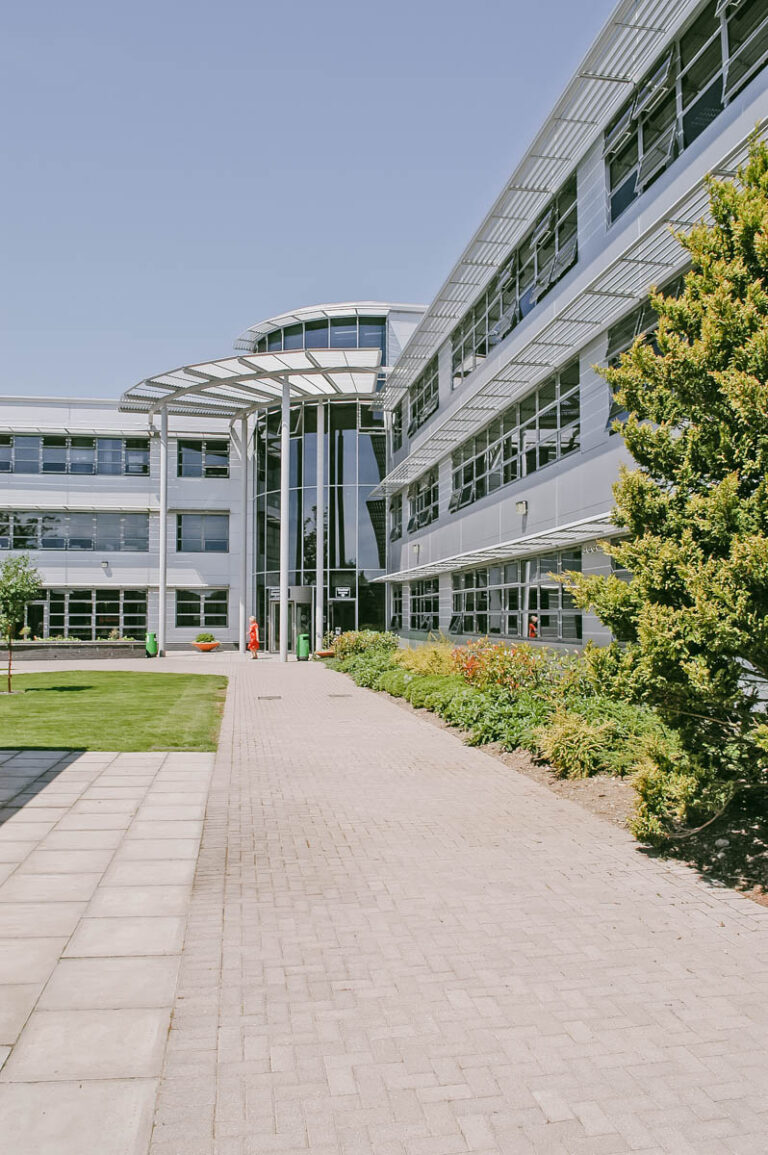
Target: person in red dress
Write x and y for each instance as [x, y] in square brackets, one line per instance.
[253, 637]
[533, 626]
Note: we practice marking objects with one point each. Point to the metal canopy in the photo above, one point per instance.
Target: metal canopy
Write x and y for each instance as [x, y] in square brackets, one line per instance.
[622, 52]
[617, 289]
[236, 386]
[562, 536]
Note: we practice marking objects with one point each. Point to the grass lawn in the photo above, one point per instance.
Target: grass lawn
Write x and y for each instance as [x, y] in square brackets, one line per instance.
[91, 710]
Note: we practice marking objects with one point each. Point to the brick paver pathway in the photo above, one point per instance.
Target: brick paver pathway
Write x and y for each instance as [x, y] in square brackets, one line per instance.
[398, 946]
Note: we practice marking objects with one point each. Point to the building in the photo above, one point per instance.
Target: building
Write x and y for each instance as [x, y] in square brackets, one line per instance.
[501, 450]
[88, 485]
[467, 451]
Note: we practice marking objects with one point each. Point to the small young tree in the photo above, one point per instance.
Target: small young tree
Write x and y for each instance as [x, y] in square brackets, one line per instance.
[693, 620]
[19, 584]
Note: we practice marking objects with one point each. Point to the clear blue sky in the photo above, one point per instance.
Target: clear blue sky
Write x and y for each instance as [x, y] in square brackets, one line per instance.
[176, 170]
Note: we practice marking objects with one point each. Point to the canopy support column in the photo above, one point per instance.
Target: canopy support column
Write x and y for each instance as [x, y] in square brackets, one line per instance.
[243, 534]
[320, 528]
[162, 580]
[285, 521]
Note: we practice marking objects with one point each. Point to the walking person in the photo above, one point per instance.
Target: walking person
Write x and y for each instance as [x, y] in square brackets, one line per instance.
[533, 626]
[253, 637]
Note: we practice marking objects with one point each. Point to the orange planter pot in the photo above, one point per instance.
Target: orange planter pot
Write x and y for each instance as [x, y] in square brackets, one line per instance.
[205, 647]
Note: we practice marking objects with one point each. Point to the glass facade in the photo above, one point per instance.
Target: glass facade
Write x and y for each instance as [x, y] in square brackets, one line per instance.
[354, 520]
[122, 532]
[724, 47]
[328, 333]
[518, 600]
[35, 453]
[88, 615]
[532, 433]
[525, 277]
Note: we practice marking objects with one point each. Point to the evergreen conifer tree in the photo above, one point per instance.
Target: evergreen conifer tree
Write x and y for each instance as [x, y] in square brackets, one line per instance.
[693, 619]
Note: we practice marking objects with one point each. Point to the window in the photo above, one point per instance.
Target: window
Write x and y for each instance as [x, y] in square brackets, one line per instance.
[423, 501]
[26, 453]
[202, 532]
[202, 458]
[541, 428]
[396, 517]
[119, 532]
[423, 397]
[89, 615]
[519, 600]
[396, 618]
[397, 428]
[425, 604]
[199, 609]
[538, 263]
[338, 333]
[688, 86]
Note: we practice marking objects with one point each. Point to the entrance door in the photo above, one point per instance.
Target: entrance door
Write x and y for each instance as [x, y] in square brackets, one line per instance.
[274, 628]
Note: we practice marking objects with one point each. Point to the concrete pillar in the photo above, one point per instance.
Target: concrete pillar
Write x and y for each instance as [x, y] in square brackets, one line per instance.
[162, 580]
[244, 575]
[320, 527]
[285, 522]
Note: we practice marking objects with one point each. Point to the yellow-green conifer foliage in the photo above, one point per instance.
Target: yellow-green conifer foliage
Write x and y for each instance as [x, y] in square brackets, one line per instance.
[694, 617]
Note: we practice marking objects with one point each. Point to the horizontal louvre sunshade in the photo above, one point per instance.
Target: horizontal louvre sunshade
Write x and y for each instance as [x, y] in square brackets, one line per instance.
[235, 386]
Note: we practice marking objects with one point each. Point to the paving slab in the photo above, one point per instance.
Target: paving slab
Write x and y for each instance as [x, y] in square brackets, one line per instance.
[108, 1117]
[88, 1044]
[111, 983]
[80, 1035]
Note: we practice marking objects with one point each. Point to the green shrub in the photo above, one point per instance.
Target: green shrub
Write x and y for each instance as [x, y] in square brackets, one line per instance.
[395, 681]
[365, 669]
[205, 638]
[674, 791]
[530, 710]
[598, 734]
[434, 657]
[359, 641]
[437, 698]
[575, 747]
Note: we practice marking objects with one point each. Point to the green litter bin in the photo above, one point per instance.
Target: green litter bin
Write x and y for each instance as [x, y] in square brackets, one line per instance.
[302, 648]
[150, 643]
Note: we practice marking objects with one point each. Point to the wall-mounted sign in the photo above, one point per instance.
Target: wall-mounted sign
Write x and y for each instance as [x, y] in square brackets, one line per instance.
[274, 593]
[343, 592]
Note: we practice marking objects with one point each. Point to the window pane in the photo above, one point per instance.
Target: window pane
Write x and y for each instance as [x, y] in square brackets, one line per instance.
[136, 532]
[316, 335]
[53, 531]
[26, 454]
[293, 337]
[82, 455]
[215, 533]
[190, 458]
[81, 530]
[109, 455]
[108, 531]
[343, 332]
[137, 455]
[217, 459]
[54, 455]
